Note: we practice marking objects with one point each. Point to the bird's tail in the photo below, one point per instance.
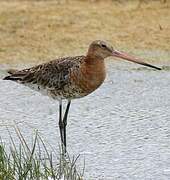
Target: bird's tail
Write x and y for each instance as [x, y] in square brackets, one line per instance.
[14, 75]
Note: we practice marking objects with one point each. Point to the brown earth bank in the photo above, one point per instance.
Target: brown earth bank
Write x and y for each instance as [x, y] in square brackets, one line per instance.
[34, 31]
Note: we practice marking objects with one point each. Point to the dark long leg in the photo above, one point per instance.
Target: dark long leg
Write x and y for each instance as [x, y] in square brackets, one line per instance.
[61, 126]
[65, 124]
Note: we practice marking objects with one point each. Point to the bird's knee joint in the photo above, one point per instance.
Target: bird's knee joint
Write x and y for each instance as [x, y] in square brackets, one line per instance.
[61, 124]
[65, 124]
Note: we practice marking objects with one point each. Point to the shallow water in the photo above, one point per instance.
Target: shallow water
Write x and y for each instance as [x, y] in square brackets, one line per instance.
[122, 129]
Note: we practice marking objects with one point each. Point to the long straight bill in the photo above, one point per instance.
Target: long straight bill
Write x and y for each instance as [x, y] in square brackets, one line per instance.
[128, 57]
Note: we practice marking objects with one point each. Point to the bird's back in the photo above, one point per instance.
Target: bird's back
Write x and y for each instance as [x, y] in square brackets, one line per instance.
[51, 78]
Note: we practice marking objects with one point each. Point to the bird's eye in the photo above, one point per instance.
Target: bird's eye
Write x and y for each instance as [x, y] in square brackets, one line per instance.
[103, 45]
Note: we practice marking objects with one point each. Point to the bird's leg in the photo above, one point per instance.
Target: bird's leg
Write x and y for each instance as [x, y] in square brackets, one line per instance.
[65, 123]
[61, 125]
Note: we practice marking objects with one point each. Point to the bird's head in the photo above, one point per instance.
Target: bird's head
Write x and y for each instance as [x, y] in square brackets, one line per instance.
[101, 50]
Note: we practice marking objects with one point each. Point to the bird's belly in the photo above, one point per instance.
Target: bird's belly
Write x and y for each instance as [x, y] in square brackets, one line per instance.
[69, 91]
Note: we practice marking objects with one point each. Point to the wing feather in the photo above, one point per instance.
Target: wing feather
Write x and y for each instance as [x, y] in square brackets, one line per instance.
[54, 74]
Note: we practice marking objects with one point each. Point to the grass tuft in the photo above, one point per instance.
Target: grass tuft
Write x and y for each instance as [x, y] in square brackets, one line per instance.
[27, 162]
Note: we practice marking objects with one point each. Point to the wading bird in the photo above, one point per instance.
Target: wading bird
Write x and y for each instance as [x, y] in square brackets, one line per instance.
[71, 77]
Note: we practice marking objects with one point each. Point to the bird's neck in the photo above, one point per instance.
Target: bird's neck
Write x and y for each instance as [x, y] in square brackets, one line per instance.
[92, 73]
[92, 59]
[95, 66]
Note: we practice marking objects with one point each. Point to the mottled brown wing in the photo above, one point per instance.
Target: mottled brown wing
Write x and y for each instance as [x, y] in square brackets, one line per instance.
[54, 74]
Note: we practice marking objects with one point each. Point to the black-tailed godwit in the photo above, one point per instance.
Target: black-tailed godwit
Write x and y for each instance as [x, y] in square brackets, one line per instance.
[71, 77]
